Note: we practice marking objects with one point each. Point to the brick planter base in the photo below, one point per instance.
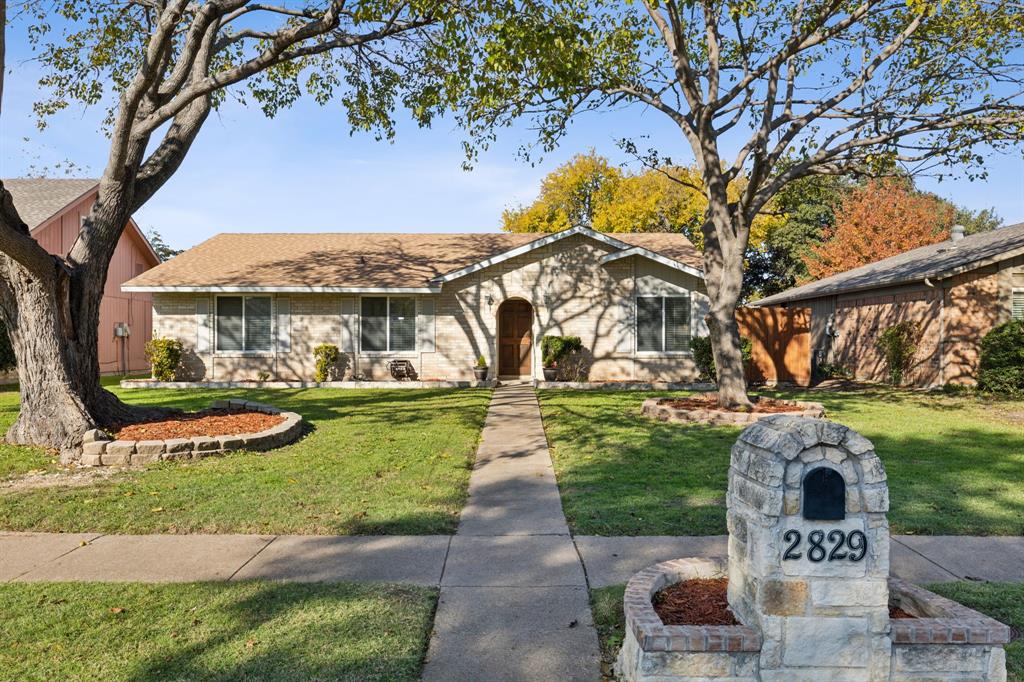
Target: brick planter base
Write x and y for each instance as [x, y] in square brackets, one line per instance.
[658, 408]
[944, 641]
[99, 449]
[654, 652]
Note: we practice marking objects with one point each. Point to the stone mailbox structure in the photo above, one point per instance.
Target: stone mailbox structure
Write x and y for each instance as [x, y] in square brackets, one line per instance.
[809, 549]
[808, 579]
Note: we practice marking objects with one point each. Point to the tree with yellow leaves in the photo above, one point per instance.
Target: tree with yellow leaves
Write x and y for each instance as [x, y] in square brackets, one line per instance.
[589, 190]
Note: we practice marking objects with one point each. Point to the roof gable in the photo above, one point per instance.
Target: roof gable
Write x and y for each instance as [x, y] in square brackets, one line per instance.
[39, 199]
[935, 261]
[342, 262]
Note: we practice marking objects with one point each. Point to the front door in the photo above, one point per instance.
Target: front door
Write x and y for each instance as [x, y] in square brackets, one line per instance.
[515, 338]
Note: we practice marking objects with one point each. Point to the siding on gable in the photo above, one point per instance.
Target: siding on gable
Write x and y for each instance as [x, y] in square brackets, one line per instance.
[131, 258]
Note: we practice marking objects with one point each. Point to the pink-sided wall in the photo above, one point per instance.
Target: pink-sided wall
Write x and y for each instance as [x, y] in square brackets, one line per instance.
[131, 257]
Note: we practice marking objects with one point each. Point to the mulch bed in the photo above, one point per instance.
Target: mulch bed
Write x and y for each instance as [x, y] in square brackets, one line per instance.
[699, 601]
[205, 423]
[765, 405]
[704, 601]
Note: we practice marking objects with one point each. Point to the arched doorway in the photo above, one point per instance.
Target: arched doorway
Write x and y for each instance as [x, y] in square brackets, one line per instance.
[515, 338]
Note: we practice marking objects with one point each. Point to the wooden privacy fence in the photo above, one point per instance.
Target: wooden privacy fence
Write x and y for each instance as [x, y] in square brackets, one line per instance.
[781, 344]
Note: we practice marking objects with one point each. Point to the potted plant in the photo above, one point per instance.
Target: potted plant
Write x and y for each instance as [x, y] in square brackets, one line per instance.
[553, 349]
[480, 370]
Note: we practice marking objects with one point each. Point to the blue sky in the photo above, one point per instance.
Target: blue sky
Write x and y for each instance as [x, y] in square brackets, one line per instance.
[303, 171]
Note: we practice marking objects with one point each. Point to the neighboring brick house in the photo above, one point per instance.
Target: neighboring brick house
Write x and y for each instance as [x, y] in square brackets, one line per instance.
[243, 304]
[956, 290]
[54, 209]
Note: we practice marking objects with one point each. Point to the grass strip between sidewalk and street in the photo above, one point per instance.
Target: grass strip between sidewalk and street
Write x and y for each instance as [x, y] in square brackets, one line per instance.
[214, 631]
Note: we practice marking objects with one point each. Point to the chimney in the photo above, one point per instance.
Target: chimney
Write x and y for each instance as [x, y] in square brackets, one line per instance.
[956, 234]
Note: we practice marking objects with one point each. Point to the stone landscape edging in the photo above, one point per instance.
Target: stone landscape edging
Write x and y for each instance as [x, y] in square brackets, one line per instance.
[153, 383]
[98, 449]
[653, 408]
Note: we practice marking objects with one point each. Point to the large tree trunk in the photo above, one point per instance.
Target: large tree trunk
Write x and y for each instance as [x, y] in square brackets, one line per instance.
[58, 366]
[723, 270]
[51, 309]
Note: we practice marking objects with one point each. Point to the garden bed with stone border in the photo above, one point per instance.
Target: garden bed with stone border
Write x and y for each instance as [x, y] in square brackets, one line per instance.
[663, 409]
[389, 384]
[99, 449]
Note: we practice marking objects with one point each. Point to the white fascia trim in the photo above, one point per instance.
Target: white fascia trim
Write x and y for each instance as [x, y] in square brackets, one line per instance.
[280, 290]
[650, 255]
[531, 246]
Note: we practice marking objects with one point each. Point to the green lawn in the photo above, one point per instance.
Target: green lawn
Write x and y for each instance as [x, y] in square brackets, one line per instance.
[955, 464]
[213, 631]
[1002, 601]
[376, 461]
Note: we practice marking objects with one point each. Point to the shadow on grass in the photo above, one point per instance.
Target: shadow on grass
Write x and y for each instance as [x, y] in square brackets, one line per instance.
[330, 650]
[622, 474]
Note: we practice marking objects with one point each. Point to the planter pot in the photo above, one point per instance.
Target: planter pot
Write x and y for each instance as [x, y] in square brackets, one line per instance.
[480, 373]
[550, 373]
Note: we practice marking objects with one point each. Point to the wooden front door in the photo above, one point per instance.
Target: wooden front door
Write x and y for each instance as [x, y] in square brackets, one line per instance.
[515, 338]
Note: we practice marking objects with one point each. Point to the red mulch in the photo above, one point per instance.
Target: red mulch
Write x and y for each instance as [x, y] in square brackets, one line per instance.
[704, 601]
[710, 402]
[700, 601]
[205, 423]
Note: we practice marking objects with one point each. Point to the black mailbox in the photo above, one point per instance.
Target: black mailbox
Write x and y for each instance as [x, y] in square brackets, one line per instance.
[824, 495]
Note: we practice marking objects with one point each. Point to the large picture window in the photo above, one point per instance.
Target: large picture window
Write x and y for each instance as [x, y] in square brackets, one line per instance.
[663, 324]
[244, 324]
[388, 324]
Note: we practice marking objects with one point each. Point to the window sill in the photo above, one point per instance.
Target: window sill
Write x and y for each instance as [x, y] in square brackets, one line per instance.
[664, 354]
[388, 354]
[244, 354]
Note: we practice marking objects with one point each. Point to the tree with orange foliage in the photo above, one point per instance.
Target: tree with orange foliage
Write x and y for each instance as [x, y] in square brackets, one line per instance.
[882, 218]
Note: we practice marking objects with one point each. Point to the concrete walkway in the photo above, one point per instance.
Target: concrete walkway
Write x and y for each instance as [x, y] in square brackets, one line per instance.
[514, 602]
[419, 559]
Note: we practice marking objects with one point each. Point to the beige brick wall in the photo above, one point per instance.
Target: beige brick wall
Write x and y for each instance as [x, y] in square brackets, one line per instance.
[572, 293]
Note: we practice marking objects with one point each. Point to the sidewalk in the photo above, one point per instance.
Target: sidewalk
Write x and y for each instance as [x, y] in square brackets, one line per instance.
[419, 559]
[514, 603]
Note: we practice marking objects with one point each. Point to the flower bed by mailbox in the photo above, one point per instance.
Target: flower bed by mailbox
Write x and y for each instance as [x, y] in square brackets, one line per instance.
[99, 449]
[808, 572]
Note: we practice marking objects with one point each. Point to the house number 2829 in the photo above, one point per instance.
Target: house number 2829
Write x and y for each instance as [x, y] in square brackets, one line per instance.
[838, 543]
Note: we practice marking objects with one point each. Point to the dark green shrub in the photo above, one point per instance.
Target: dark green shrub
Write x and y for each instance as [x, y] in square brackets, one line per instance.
[327, 356]
[554, 348]
[1001, 367]
[831, 370]
[704, 357]
[898, 344]
[164, 356]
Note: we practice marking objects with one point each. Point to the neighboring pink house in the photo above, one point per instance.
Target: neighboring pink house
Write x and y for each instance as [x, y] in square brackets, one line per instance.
[54, 210]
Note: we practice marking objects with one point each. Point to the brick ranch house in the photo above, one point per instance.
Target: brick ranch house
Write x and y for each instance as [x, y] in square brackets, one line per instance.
[54, 209]
[246, 304]
[956, 290]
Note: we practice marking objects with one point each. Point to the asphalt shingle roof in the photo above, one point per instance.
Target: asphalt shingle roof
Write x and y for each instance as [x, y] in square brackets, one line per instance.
[357, 259]
[927, 262]
[39, 199]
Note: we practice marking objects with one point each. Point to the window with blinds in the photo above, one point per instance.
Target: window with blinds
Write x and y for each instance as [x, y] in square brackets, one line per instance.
[663, 324]
[244, 324]
[388, 323]
[1018, 304]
